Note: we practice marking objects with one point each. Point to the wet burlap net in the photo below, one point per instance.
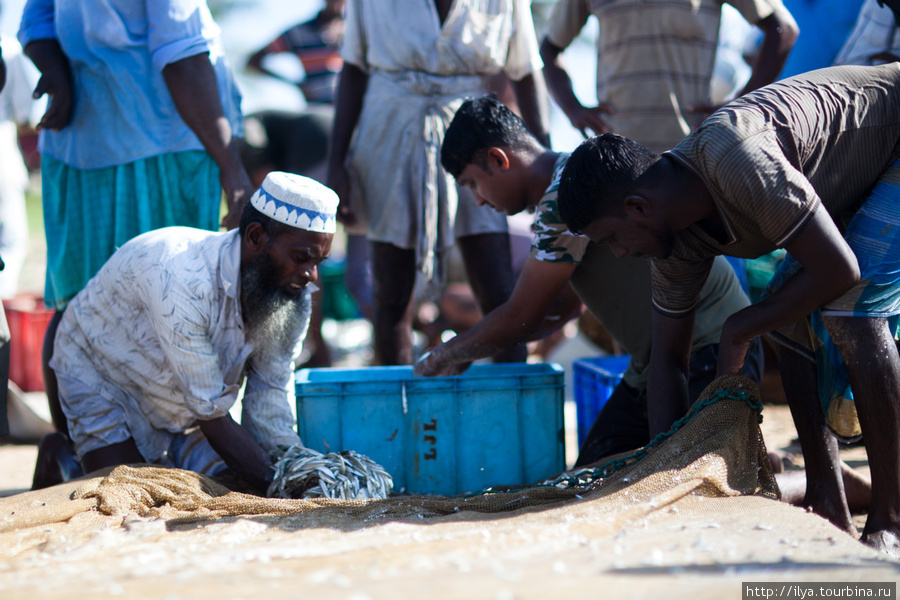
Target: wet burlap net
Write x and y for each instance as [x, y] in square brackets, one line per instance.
[699, 496]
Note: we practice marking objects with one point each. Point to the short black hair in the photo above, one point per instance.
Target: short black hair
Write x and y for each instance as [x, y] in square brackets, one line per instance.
[271, 227]
[598, 176]
[479, 124]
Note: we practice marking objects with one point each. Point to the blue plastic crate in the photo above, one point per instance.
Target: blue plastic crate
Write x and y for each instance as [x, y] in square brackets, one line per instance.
[496, 424]
[594, 379]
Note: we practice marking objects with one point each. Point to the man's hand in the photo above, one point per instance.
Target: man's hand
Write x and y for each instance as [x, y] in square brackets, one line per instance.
[339, 181]
[559, 84]
[56, 81]
[431, 364]
[586, 119]
[732, 350]
[237, 188]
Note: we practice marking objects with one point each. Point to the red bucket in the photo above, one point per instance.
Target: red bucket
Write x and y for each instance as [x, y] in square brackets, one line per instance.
[28, 319]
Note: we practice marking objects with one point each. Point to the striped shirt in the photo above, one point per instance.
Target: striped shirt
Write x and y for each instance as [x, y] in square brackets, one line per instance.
[771, 157]
[617, 290]
[655, 59]
[318, 49]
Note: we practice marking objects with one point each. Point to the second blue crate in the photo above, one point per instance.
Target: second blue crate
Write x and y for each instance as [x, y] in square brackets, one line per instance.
[594, 380]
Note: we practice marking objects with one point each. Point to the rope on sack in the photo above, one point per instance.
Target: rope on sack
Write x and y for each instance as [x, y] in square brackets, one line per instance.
[302, 472]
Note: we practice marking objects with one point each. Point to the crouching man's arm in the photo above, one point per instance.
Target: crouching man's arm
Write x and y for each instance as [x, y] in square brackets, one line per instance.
[512, 322]
[667, 387]
[829, 269]
[239, 451]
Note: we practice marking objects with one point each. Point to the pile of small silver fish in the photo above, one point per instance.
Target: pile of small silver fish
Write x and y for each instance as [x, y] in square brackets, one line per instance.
[302, 472]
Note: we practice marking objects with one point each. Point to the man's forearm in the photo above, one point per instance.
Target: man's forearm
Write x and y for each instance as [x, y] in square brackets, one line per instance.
[195, 92]
[46, 55]
[780, 33]
[517, 319]
[498, 331]
[348, 106]
[559, 84]
[239, 451]
[667, 385]
[667, 395]
[830, 269]
[531, 96]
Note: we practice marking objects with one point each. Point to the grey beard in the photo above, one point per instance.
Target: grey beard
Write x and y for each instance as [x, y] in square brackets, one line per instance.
[275, 322]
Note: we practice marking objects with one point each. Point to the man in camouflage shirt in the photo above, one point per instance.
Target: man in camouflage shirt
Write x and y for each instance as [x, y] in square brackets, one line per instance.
[488, 149]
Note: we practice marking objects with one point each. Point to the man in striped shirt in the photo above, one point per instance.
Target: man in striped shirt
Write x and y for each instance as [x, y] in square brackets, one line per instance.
[809, 164]
[655, 62]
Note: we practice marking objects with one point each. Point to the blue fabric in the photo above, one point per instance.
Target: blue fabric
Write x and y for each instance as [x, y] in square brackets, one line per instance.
[117, 50]
[874, 236]
[824, 27]
[90, 213]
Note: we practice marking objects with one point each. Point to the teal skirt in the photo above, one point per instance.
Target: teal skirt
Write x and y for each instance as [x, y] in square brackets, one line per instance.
[88, 213]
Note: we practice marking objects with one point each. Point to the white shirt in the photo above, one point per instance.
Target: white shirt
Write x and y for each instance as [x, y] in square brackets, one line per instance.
[875, 32]
[477, 37]
[159, 331]
[17, 107]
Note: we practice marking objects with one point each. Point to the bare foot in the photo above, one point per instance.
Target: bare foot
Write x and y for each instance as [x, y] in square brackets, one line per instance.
[794, 490]
[884, 541]
[836, 512]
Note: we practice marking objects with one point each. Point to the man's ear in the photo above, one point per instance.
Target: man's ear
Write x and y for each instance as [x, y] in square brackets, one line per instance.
[255, 238]
[499, 158]
[636, 206]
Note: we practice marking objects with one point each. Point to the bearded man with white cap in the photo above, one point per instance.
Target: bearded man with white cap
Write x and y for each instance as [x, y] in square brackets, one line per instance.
[152, 354]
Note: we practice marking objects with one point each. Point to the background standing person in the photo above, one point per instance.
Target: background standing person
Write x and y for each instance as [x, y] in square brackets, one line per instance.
[139, 133]
[297, 142]
[407, 68]
[16, 109]
[655, 62]
[824, 27]
[4, 328]
[316, 44]
[875, 38]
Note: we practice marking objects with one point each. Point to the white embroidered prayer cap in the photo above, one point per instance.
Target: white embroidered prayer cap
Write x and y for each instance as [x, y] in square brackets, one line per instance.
[297, 201]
